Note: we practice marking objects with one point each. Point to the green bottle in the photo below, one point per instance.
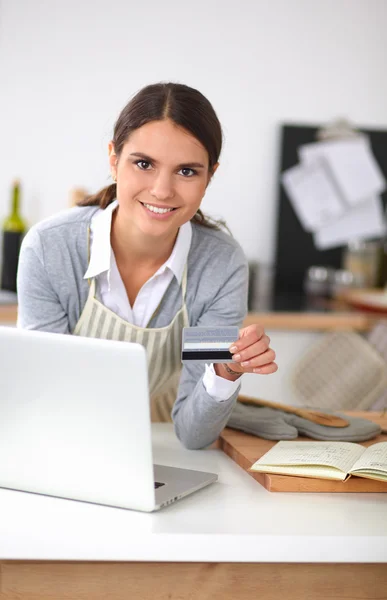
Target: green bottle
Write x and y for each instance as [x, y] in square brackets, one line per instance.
[13, 230]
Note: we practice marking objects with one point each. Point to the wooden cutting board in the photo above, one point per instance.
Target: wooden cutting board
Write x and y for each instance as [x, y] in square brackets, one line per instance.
[245, 449]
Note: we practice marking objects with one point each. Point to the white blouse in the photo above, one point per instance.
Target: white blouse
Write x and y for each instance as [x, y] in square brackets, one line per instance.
[112, 293]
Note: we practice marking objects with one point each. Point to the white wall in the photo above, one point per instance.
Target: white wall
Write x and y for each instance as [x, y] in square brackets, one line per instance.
[68, 67]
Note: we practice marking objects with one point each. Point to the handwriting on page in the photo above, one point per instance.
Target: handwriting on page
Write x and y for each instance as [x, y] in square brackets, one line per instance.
[340, 455]
[375, 457]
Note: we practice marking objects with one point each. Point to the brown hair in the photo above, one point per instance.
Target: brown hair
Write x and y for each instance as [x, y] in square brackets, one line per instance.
[183, 105]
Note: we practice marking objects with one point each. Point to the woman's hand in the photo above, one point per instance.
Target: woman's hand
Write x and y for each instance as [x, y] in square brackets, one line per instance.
[251, 353]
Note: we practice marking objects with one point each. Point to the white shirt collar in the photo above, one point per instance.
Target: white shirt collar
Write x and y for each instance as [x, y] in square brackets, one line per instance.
[101, 252]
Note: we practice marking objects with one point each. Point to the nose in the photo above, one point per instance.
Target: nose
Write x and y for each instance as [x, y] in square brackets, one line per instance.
[162, 187]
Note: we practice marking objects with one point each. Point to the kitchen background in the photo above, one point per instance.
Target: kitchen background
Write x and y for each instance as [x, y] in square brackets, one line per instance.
[68, 67]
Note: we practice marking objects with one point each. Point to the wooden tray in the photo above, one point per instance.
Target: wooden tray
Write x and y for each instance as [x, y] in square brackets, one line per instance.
[245, 449]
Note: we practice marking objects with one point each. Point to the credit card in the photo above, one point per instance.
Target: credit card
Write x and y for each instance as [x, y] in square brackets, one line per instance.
[208, 344]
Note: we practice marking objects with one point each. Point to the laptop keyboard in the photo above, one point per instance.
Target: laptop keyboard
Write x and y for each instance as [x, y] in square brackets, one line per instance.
[158, 484]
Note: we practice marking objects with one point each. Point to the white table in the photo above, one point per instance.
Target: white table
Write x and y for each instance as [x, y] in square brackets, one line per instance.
[232, 521]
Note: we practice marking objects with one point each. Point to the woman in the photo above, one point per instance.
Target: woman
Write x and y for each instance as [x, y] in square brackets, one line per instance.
[138, 261]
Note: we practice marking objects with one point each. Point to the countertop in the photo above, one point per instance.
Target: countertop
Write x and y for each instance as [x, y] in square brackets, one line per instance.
[233, 520]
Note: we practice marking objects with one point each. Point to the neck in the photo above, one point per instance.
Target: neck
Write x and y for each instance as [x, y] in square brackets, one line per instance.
[128, 241]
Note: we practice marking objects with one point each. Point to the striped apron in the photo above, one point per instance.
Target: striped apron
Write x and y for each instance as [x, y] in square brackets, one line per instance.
[162, 345]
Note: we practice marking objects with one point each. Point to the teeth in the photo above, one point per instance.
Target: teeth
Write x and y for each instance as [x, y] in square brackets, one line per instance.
[155, 209]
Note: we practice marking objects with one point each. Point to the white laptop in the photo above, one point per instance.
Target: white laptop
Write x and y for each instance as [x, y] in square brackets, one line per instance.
[75, 423]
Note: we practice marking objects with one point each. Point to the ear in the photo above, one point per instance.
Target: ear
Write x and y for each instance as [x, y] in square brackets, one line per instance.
[211, 173]
[112, 160]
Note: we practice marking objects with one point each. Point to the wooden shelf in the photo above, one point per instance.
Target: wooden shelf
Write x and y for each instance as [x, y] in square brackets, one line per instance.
[334, 321]
[8, 313]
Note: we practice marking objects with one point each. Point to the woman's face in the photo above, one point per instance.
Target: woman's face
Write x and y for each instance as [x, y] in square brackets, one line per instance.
[162, 175]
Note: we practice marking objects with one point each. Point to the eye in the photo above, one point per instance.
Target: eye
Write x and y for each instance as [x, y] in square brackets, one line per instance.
[187, 172]
[144, 165]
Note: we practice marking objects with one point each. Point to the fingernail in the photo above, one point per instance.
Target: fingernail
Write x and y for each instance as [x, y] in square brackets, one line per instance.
[237, 357]
[233, 349]
[257, 370]
[245, 364]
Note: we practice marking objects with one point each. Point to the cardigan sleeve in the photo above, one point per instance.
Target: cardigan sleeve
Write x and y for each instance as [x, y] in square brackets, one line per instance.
[39, 307]
[198, 417]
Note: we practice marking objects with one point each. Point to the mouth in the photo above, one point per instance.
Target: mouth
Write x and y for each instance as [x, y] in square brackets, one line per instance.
[157, 209]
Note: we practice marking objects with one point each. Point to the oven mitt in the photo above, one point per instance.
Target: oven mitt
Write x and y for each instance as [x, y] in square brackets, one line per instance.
[377, 337]
[274, 424]
[341, 370]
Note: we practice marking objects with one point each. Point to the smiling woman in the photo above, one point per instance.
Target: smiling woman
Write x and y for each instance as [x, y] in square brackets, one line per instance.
[190, 118]
[138, 261]
[156, 192]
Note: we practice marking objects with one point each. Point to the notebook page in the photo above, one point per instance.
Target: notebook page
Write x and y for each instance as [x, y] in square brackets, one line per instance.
[340, 455]
[313, 471]
[373, 459]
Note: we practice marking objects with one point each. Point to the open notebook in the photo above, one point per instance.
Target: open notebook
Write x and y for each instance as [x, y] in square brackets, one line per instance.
[325, 460]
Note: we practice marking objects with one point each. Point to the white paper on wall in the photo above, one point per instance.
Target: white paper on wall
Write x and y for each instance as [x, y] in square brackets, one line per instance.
[313, 195]
[366, 220]
[352, 164]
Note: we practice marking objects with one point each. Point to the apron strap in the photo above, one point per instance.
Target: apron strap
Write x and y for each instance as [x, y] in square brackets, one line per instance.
[89, 281]
[184, 283]
[183, 293]
[92, 286]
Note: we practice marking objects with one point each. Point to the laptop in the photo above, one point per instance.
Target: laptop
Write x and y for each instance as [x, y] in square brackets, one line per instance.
[75, 423]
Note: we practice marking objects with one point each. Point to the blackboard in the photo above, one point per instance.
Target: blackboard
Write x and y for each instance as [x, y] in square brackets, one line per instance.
[295, 251]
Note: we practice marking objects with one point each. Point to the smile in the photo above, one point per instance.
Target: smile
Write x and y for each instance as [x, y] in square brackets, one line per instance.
[157, 209]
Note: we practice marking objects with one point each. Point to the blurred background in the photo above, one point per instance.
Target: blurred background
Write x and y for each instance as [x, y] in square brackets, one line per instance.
[68, 67]
[276, 71]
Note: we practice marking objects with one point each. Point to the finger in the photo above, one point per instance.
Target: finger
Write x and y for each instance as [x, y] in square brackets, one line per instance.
[249, 335]
[246, 341]
[258, 361]
[267, 369]
[255, 327]
[254, 350]
[263, 370]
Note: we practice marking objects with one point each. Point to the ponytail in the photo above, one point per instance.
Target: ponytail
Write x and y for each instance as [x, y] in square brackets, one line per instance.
[200, 219]
[102, 198]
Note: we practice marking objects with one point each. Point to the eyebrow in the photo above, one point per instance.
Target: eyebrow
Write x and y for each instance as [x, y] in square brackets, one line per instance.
[192, 165]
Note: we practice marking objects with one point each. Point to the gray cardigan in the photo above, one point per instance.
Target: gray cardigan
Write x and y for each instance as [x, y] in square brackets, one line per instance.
[52, 293]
